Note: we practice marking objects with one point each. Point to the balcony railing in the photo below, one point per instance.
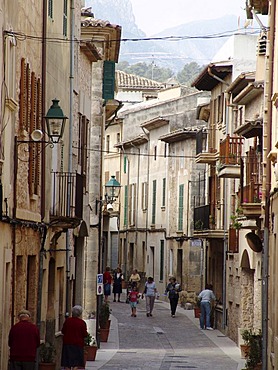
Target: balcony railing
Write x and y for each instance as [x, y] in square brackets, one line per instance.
[201, 217]
[230, 150]
[64, 197]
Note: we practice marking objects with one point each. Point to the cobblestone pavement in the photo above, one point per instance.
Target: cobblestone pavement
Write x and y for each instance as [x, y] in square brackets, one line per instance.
[165, 343]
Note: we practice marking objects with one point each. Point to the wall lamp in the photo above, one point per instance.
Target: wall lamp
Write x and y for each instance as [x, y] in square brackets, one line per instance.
[112, 191]
[55, 125]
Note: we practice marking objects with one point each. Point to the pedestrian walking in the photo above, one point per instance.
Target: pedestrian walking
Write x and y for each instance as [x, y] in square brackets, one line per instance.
[107, 281]
[134, 279]
[74, 331]
[117, 284]
[133, 297]
[173, 289]
[24, 339]
[206, 296]
[149, 292]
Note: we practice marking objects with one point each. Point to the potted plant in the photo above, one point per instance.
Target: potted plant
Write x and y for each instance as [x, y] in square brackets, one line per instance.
[197, 308]
[104, 322]
[47, 354]
[90, 348]
[254, 354]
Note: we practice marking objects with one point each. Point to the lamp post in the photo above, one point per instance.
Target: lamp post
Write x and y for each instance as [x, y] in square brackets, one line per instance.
[112, 190]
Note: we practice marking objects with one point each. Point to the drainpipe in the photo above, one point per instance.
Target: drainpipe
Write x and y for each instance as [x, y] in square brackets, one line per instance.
[148, 186]
[137, 199]
[267, 179]
[216, 77]
[71, 76]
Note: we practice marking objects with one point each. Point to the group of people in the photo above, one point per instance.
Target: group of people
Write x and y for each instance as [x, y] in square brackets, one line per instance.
[24, 337]
[24, 340]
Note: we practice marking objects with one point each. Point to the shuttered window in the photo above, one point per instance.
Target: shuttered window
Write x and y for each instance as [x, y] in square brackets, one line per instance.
[180, 213]
[125, 205]
[108, 80]
[161, 270]
[154, 202]
[65, 18]
[50, 8]
[163, 192]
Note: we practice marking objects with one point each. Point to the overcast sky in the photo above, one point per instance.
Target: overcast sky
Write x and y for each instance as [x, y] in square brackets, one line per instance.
[153, 16]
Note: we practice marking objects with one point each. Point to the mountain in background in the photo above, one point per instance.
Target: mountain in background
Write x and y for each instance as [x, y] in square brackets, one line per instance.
[171, 54]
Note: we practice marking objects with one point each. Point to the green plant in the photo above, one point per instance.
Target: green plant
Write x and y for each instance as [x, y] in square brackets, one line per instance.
[90, 341]
[234, 222]
[254, 341]
[47, 352]
[104, 314]
[199, 225]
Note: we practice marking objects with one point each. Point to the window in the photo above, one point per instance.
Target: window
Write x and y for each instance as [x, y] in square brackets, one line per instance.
[144, 196]
[108, 80]
[155, 152]
[82, 144]
[180, 213]
[154, 202]
[125, 205]
[118, 137]
[163, 192]
[161, 270]
[50, 8]
[10, 66]
[65, 18]
[30, 119]
[132, 203]
[107, 143]
[125, 164]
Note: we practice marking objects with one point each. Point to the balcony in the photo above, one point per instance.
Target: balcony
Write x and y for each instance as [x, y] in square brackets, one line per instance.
[67, 200]
[230, 157]
[204, 223]
[251, 184]
[209, 157]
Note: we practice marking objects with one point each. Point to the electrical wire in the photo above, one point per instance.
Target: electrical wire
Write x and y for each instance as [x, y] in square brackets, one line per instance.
[20, 36]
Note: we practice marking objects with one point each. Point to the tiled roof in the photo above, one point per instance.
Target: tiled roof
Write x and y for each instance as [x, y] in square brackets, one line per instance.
[93, 22]
[130, 81]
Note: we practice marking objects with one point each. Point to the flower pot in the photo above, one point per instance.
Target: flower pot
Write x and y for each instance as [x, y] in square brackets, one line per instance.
[47, 366]
[197, 312]
[104, 333]
[244, 348]
[106, 324]
[90, 353]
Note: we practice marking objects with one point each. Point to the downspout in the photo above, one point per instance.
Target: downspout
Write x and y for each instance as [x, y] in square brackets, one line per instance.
[40, 277]
[137, 198]
[71, 77]
[148, 186]
[216, 77]
[267, 180]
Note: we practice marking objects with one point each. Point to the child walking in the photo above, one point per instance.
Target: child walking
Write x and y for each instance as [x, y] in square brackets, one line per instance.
[133, 297]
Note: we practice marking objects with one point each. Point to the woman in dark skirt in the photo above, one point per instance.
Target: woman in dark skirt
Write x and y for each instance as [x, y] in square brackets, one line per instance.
[74, 331]
[117, 285]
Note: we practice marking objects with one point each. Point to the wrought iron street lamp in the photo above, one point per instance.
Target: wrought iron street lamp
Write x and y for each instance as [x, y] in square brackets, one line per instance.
[55, 122]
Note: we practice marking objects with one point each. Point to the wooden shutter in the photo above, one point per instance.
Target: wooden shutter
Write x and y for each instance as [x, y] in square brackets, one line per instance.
[108, 80]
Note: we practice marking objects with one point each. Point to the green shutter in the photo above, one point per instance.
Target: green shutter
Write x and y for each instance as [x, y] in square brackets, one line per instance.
[161, 272]
[50, 8]
[180, 214]
[125, 163]
[108, 80]
[125, 205]
[163, 192]
[154, 202]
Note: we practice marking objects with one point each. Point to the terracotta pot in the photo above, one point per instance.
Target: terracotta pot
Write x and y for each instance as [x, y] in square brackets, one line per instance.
[106, 325]
[197, 312]
[244, 348]
[47, 366]
[90, 353]
[104, 333]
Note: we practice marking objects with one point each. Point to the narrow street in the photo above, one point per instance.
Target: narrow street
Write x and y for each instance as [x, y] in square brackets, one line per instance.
[162, 342]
